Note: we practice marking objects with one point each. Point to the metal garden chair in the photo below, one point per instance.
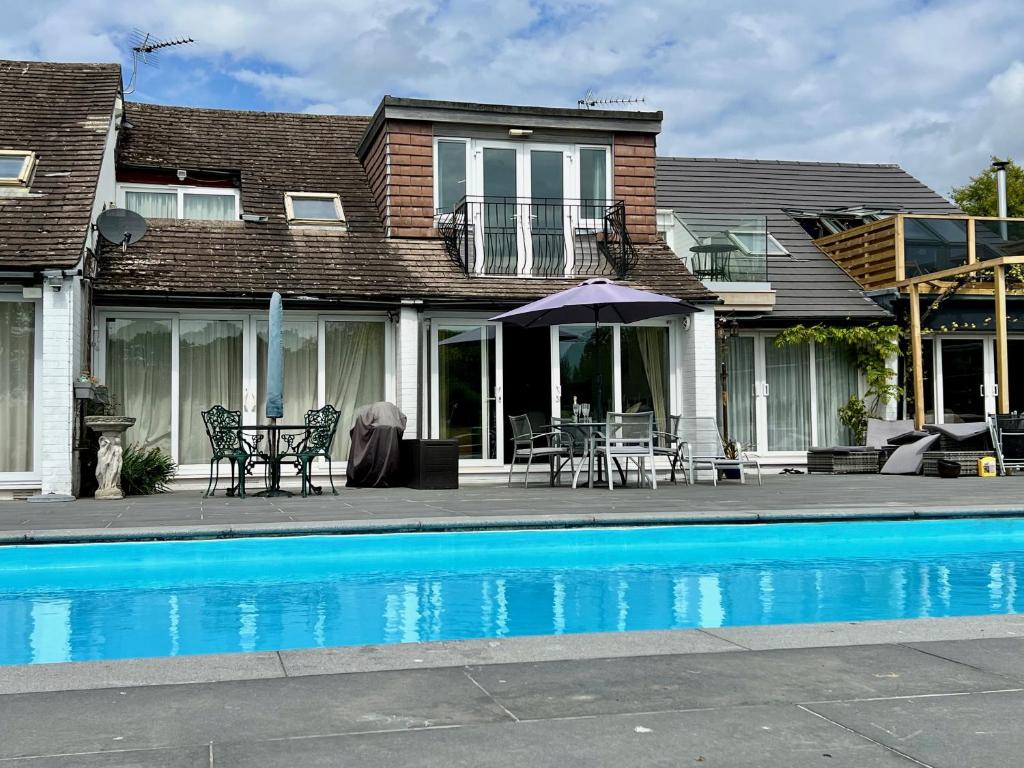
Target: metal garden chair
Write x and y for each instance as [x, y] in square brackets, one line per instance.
[703, 446]
[224, 431]
[627, 436]
[321, 427]
[670, 445]
[558, 451]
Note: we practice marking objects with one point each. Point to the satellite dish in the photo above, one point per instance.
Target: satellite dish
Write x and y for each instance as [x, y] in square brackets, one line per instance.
[121, 226]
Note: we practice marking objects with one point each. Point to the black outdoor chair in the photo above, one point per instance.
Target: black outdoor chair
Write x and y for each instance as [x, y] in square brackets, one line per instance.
[670, 445]
[224, 431]
[558, 451]
[321, 427]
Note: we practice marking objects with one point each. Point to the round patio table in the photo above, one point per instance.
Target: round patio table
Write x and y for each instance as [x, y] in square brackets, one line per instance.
[274, 453]
[591, 430]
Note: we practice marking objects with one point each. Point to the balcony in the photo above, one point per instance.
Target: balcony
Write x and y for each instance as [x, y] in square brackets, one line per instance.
[538, 237]
[727, 252]
[928, 251]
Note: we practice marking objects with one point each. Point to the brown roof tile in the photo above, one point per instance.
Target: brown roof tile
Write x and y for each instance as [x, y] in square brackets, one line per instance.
[61, 112]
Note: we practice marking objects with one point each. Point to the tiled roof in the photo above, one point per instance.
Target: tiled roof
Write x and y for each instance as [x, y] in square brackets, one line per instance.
[274, 153]
[807, 283]
[62, 112]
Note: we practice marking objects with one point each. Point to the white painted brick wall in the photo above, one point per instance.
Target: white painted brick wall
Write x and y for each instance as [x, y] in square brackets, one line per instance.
[59, 337]
[697, 363]
[409, 368]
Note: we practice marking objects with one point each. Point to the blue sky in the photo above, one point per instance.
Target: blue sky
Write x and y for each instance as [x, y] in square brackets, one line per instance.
[935, 86]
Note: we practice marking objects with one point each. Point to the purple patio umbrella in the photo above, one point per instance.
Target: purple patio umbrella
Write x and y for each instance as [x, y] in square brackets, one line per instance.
[596, 301]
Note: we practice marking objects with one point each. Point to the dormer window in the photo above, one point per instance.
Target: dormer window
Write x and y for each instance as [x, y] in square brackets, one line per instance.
[314, 208]
[16, 167]
[160, 201]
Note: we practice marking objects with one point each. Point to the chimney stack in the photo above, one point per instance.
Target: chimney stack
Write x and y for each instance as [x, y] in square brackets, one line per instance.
[1000, 168]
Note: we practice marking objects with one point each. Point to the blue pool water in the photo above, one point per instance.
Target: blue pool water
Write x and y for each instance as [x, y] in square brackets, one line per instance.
[109, 601]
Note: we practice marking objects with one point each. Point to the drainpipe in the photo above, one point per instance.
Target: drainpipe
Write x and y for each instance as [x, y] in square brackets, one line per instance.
[999, 166]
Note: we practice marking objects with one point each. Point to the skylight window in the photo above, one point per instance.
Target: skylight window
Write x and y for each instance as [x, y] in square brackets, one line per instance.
[16, 167]
[757, 243]
[314, 208]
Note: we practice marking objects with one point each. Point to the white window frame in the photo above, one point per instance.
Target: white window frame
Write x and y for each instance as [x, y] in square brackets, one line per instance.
[180, 190]
[438, 216]
[28, 165]
[333, 197]
[250, 325]
[769, 237]
[33, 476]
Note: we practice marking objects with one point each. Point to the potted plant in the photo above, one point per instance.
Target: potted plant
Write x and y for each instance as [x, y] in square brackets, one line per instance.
[85, 386]
[732, 449]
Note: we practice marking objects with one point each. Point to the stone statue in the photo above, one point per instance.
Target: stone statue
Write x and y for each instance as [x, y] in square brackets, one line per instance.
[108, 467]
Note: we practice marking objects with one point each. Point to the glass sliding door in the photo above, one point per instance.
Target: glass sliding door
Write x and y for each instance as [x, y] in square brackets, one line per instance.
[467, 388]
[1015, 366]
[585, 363]
[501, 230]
[300, 370]
[645, 371]
[963, 379]
[740, 385]
[17, 385]
[787, 394]
[547, 212]
[354, 356]
[209, 373]
[836, 381]
[138, 374]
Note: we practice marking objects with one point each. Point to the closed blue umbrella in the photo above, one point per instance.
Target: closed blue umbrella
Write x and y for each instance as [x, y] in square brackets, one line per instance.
[275, 359]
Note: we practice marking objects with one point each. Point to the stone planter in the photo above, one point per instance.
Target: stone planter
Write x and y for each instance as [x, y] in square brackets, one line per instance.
[108, 460]
[84, 390]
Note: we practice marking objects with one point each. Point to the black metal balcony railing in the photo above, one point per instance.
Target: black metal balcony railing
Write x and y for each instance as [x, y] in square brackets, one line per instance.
[542, 237]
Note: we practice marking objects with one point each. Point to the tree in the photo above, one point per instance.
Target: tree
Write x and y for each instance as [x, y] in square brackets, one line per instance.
[978, 198]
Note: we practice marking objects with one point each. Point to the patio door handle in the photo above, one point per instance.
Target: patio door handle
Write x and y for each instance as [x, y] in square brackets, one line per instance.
[981, 390]
[767, 389]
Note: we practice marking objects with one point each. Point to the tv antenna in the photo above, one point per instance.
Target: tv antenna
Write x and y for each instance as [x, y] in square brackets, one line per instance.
[590, 100]
[144, 49]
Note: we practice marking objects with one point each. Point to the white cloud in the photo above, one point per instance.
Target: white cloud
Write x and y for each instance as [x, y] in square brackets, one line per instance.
[935, 86]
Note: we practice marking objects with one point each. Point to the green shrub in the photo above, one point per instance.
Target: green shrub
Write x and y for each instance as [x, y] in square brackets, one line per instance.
[146, 472]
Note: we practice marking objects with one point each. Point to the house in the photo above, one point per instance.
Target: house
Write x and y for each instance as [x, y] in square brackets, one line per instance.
[57, 139]
[392, 238]
[761, 235]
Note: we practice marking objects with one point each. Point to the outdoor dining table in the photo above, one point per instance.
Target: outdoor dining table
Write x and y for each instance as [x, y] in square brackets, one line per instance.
[274, 453]
[593, 430]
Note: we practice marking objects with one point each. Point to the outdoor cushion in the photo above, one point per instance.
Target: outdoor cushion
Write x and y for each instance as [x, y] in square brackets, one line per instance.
[959, 432]
[908, 458]
[881, 431]
[908, 437]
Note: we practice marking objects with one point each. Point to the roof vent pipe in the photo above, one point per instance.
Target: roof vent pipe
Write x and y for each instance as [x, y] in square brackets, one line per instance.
[999, 166]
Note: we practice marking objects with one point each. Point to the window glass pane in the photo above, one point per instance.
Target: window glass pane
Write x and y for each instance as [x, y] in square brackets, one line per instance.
[319, 208]
[645, 372]
[451, 174]
[354, 360]
[466, 377]
[17, 378]
[593, 181]
[209, 374]
[547, 219]
[139, 378]
[210, 207]
[500, 219]
[152, 205]
[300, 363]
[11, 165]
[787, 371]
[739, 370]
[585, 353]
[835, 377]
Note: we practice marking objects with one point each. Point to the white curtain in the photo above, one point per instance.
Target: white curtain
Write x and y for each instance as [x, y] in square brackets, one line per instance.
[789, 396]
[209, 373]
[153, 205]
[354, 359]
[653, 346]
[740, 383]
[139, 378]
[300, 363]
[210, 207]
[835, 377]
[17, 376]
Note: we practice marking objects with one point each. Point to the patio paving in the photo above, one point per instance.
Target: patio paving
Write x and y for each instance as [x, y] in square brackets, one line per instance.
[782, 497]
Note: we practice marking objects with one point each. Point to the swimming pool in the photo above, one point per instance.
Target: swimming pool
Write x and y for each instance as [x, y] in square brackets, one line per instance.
[124, 600]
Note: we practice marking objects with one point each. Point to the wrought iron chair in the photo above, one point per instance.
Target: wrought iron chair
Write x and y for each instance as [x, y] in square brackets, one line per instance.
[670, 445]
[224, 431]
[558, 451]
[703, 446]
[321, 427]
[626, 436]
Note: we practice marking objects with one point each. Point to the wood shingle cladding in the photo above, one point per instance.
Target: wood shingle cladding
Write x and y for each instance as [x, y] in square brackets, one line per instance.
[63, 113]
[273, 153]
[808, 284]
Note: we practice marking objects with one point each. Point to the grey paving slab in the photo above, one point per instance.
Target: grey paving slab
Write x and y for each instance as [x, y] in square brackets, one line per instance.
[776, 636]
[1000, 656]
[370, 658]
[183, 715]
[178, 757]
[608, 686]
[38, 678]
[980, 730]
[752, 737]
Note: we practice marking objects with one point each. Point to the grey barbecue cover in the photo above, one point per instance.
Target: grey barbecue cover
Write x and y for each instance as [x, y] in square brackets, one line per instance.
[373, 458]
